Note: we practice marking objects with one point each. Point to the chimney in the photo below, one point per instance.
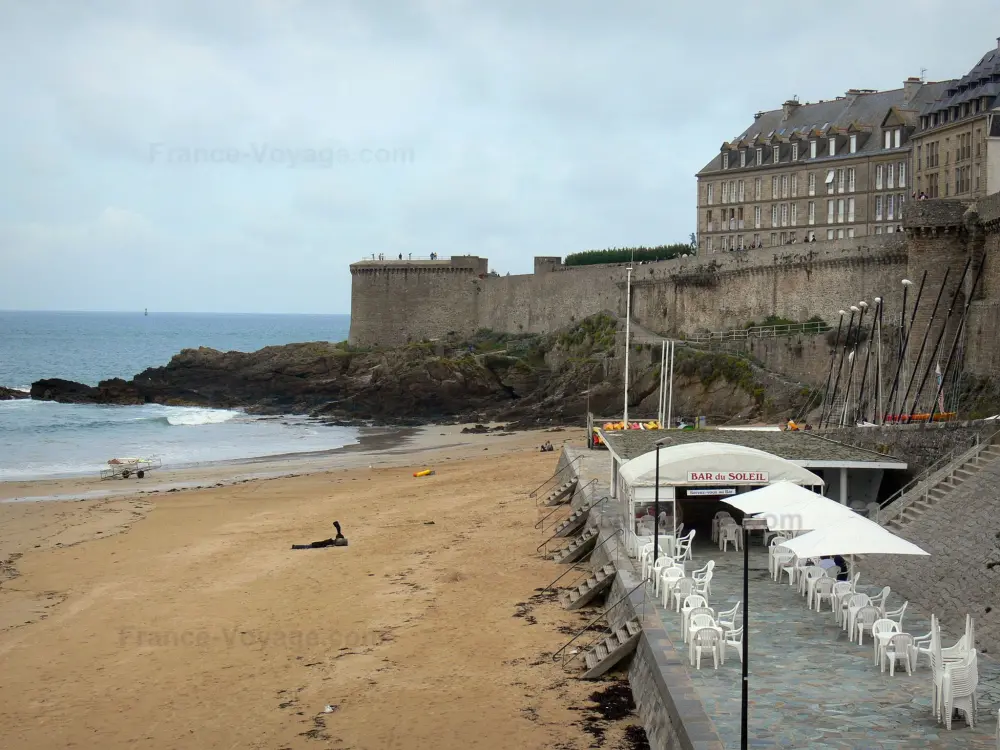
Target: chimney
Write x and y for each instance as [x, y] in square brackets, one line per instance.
[788, 108]
[998, 42]
[757, 116]
[911, 86]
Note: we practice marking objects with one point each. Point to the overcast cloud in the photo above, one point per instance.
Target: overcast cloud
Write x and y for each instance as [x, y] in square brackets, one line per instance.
[502, 128]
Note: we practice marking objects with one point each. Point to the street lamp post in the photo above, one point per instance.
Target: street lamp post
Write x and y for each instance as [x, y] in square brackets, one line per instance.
[656, 506]
[749, 524]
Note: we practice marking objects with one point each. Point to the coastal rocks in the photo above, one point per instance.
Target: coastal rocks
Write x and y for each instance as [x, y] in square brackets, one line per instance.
[114, 391]
[9, 394]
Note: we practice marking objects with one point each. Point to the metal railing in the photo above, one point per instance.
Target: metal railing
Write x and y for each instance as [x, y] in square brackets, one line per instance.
[760, 332]
[562, 653]
[575, 566]
[390, 258]
[543, 548]
[558, 473]
[941, 470]
[540, 525]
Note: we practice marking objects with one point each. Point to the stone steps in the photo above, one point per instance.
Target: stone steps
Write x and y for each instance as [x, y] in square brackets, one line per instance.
[590, 589]
[608, 652]
[559, 494]
[575, 520]
[969, 469]
[579, 548]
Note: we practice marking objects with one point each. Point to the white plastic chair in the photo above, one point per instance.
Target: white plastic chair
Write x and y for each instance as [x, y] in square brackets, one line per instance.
[879, 600]
[683, 547]
[841, 589]
[852, 604]
[878, 627]
[665, 584]
[704, 585]
[716, 520]
[727, 619]
[733, 638]
[692, 601]
[698, 617]
[864, 618]
[681, 590]
[897, 615]
[730, 534]
[778, 556]
[959, 690]
[898, 648]
[707, 639]
[702, 573]
[822, 592]
[662, 563]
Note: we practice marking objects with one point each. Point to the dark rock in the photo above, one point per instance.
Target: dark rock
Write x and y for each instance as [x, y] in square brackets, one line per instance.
[9, 394]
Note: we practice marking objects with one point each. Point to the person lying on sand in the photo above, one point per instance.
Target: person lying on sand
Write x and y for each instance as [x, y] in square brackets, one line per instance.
[339, 541]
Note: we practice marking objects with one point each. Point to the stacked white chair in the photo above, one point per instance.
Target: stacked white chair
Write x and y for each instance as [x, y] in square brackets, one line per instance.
[879, 627]
[707, 639]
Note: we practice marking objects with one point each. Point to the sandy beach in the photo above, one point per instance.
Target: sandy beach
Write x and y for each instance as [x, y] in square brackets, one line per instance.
[184, 620]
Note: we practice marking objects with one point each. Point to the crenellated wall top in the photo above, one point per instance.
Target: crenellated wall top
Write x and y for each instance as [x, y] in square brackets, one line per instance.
[937, 213]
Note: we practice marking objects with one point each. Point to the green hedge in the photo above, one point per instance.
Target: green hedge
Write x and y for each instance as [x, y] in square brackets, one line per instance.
[626, 254]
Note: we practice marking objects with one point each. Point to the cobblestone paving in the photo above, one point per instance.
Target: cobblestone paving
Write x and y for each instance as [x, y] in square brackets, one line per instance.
[812, 688]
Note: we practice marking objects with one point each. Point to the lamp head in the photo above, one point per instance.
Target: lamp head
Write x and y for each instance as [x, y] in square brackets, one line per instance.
[862, 303]
[878, 300]
[854, 308]
[907, 282]
[843, 313]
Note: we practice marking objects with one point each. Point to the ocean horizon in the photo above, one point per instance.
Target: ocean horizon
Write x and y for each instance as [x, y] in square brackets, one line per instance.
[41, 439]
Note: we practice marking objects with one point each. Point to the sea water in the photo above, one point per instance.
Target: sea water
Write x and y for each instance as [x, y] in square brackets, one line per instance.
[44, 439]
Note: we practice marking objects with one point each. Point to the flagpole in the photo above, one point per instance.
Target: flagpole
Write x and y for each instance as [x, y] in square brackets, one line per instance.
[628, 317]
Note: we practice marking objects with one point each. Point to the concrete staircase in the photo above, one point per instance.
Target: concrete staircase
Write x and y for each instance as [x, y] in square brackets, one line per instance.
[914, 504]
[561, 493]
[599, 582]
[619, 643]
[579, 548]
[573, 523]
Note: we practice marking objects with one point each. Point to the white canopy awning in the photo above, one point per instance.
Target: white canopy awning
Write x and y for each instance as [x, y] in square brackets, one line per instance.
[789, 507]
[714, 464]
[853, 536]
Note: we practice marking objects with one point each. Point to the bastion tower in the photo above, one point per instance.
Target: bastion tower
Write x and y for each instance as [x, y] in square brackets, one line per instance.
[399, 300]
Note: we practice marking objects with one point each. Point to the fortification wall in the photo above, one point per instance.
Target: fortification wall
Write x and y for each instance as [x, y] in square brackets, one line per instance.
[394, 302]
[983, 330]
[797, 283]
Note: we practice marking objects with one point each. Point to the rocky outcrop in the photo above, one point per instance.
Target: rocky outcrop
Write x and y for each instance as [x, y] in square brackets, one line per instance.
[528, 380]
[9, 394]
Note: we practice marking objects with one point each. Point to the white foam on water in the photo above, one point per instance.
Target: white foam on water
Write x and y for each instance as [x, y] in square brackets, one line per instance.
[188, 416]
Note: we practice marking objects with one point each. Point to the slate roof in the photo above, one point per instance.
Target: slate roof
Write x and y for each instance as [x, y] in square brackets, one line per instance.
[801, 447]
[864, 110]
[982, 80]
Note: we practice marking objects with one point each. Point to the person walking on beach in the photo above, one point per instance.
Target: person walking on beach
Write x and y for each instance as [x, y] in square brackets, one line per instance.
[339, 541]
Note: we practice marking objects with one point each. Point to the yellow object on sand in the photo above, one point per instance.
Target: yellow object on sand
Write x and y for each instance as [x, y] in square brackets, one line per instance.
[424, 473]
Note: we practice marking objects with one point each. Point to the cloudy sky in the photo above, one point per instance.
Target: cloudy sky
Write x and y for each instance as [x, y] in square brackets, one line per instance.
[237, 155]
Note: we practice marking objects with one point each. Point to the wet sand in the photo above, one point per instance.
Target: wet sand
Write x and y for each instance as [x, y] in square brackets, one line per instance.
[183, 620]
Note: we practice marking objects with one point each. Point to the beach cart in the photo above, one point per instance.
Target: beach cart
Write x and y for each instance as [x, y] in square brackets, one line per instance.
[123, 468]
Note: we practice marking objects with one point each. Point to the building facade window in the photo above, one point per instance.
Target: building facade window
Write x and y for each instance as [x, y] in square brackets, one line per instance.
[784, 186]
[854, 144]
[795, 185]
[756, 189]
[812, 183]
[878, 208]
[878, 176]
[840, 180]
[795, 214]
[784, 214]
[850, 210]
[774, 187]
[756, 217]
[840, 211]
[725, 192]
[902, 173]
[829, 211]
[890, 176]
[743, 158]
[840, 234]
[890, 206]
[833, 146]
[708, 244]
[710, 194]
[829, 234]
[812, 149]
[850, 232]
[774, 215]
[795, 152]
[774, 239]
[850, 180]
[812, 212]
[725, 161]
[898, 137]
[741, 191]
[887, 143]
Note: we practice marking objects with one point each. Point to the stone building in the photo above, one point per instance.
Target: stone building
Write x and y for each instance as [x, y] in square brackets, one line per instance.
[956, 147]
[831, 170]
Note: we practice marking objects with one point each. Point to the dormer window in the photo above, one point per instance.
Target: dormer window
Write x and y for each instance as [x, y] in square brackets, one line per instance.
[833, 146]
[888, 139]
[854, 144]
[898, 136]
[725, 160]
[776, 152]
[743, 157]
[795, 152]
[812, 149]
[760, 156]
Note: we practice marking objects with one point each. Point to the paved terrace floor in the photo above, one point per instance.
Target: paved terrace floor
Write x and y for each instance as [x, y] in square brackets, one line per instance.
[809, 686]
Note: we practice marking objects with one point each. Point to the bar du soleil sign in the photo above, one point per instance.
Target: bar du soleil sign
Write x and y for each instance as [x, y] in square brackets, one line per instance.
[729, 477]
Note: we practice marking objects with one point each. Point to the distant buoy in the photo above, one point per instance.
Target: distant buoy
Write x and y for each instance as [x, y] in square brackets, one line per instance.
[424, 473]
